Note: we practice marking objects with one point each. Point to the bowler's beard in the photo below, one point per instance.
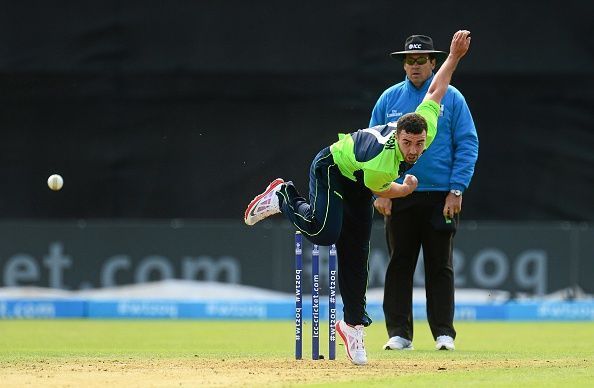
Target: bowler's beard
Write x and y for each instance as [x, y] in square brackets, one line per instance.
[412, 159]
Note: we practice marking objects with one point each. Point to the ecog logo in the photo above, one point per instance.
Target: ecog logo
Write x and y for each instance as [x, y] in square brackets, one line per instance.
[414, 46]
[490, 268]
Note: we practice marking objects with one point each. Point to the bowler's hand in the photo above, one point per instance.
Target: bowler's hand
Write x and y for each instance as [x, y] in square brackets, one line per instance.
[410, 182]
[460, 43]
[453, 205]
[383, 206]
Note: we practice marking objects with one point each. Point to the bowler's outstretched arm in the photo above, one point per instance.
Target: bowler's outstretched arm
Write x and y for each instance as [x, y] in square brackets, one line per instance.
[458, 48]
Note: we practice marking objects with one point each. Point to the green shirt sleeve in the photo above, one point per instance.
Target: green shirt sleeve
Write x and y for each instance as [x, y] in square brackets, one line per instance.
[377, 181]
[429, 109]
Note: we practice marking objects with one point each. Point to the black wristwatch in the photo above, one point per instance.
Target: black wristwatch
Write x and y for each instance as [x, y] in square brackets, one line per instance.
[457, 193]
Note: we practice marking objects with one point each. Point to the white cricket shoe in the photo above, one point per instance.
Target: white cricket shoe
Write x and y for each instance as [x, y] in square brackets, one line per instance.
[444, 342]
[265, 204]
[398, 343]
[353, 342]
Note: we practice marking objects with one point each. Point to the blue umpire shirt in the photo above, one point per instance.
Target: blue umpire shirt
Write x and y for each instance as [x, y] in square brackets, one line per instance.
[448, 164]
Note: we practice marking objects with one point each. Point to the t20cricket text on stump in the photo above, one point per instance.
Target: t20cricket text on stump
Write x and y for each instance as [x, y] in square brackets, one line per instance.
[315, 300]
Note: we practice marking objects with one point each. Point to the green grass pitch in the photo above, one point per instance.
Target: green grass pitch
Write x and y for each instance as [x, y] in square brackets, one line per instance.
[531, 354]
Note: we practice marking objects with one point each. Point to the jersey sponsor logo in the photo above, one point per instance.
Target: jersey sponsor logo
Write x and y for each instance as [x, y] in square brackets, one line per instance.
[441, 109]
[394, 113]
[391, 143]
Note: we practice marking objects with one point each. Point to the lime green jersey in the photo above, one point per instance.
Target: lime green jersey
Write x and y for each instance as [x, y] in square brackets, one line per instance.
[374, 152]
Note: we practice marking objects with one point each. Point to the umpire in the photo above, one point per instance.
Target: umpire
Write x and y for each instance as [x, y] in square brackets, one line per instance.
[429, 216]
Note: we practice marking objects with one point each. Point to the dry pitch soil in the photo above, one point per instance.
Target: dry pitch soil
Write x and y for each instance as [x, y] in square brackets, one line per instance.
[135, 372]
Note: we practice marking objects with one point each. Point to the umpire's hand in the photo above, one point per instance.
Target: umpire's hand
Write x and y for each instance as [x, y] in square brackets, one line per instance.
[383, 206]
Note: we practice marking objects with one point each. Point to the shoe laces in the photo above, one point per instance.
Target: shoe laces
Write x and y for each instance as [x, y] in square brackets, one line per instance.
[359, 334]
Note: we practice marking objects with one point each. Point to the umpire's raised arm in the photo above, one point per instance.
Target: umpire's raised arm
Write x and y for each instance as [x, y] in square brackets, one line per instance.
[439, 85]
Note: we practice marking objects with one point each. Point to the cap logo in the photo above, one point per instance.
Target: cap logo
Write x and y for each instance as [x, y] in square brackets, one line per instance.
[418, 44]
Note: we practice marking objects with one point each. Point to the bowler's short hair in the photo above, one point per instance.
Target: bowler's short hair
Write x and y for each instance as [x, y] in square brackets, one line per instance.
[411, 123]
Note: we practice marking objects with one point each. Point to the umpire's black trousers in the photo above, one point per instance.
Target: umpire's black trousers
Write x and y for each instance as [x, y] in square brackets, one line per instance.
[417, 221]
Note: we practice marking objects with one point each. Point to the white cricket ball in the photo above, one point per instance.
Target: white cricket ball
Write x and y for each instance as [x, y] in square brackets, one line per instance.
[55, 182]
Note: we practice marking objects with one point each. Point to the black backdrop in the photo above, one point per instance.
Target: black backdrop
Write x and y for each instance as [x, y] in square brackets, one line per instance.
[163, 109]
